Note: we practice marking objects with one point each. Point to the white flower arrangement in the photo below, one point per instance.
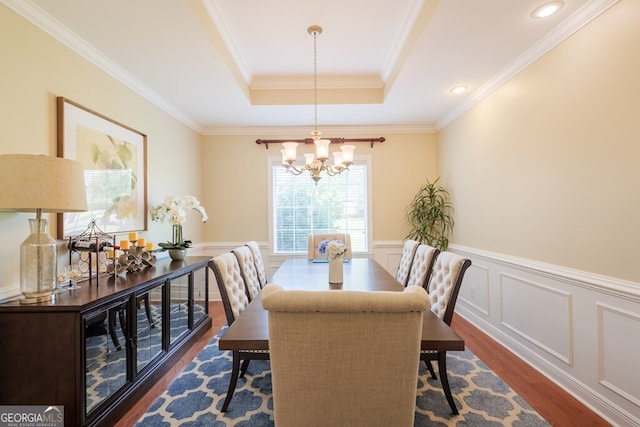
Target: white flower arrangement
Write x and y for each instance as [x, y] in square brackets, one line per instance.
[174, 209]
[332, 248]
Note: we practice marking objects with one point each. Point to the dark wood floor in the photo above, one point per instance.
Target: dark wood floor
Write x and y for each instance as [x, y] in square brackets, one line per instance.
[555, 405]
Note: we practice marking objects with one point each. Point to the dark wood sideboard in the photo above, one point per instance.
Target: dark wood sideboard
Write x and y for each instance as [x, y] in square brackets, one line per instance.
[98, 349]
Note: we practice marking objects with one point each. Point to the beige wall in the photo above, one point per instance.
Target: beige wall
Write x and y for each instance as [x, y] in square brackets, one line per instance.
[235, 179]
[546, 167]
[35, 70]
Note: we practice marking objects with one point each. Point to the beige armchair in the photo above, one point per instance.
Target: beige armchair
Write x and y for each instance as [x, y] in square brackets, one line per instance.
[315, 240]
[343, 358]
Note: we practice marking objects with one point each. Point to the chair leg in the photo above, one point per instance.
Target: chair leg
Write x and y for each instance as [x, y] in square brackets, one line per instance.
[245, 365]
[147, 309]
[112, 329]
[232, 383]
[430, 368]
[444, 379]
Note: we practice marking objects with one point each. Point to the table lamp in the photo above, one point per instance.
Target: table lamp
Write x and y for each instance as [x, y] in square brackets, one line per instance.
[38, 183]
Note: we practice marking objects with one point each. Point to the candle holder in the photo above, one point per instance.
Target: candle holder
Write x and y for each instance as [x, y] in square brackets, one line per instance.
[135, 258]
[87, 252]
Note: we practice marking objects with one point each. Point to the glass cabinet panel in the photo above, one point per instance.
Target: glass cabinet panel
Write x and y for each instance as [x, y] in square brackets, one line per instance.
[200, 309]
[105, 346]
[178, 307]
[148, 326]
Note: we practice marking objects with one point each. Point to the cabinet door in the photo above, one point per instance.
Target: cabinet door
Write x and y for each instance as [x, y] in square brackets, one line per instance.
[148, 327]
[178, 307]
[106, 338]
[200, 309]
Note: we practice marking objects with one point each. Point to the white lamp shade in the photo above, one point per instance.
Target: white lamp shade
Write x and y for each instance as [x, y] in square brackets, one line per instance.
[337, 159]
[31, 182]
[289, 152]
[322, 148]
[347, 154]
[309, 157]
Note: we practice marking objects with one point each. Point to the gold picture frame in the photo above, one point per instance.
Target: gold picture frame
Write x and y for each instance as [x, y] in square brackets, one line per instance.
[114, 157]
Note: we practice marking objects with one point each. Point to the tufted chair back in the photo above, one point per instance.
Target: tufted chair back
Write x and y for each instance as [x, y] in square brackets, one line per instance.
[314, 241]
[231, 285]
[422, 265]
[445, 282]
[327, 356]
[248, 270]
[406, 259]
[257, 258]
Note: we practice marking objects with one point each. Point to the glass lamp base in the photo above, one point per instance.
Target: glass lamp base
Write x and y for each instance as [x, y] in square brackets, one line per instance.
[36, 300]
[38, 264]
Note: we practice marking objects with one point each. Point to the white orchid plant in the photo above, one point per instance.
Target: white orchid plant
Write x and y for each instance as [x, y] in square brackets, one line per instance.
[332, 248]
[174, 210]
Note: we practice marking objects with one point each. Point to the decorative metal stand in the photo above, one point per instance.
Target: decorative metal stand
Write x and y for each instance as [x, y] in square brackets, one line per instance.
[133, 259]
[88, 251]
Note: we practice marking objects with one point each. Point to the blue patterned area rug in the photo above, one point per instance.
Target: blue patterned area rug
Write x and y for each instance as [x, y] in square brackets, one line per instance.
[194, 398]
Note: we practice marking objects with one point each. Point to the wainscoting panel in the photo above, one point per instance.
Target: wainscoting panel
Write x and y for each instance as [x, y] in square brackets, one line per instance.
[523, 300]
[474, 290]
[579, 329]
[618, 351]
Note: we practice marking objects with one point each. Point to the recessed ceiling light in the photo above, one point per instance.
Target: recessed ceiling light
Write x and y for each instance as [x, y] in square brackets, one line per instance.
[547, 9]
[457, 90]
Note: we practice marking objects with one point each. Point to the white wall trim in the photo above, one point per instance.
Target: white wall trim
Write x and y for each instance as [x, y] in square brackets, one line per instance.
[594, 282]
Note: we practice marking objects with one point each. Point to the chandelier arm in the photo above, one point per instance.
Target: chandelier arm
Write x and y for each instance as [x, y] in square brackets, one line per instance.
[294, 170]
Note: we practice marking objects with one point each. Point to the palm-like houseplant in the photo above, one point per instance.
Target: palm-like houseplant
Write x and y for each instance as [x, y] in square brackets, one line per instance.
[430, 215]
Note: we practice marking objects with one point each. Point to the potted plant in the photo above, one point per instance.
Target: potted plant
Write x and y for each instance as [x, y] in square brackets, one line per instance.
[430, 215]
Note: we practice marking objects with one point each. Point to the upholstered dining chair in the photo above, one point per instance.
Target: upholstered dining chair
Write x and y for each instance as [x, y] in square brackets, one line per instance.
[444, 286]
[422, 265]
[314, 241]
[406, 259]
[329, 366]
[234, 299]
[257, 258]
[248, 270]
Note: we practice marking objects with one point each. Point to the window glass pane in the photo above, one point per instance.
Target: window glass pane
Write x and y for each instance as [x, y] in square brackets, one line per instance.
[337, 204]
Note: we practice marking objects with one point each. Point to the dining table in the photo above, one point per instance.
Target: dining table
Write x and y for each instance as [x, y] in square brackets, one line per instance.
[250, 330]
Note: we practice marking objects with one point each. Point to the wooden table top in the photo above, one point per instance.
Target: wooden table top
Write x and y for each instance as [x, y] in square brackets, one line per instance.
[250, 331]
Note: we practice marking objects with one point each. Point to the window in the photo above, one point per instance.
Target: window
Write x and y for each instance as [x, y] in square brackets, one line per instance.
[337, 204]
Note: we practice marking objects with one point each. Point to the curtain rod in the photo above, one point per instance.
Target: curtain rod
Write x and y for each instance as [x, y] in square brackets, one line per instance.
[266, 142]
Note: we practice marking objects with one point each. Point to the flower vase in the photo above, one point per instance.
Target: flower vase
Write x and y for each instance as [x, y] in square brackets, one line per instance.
[177, 234]
[177, 254]
[335, 271]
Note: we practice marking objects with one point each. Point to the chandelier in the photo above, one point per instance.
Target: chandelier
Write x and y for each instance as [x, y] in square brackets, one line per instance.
[316, 162]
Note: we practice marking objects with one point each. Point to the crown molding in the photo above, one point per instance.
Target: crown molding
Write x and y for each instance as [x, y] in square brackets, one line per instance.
[579, 19]
[326, 130]
[58, 31]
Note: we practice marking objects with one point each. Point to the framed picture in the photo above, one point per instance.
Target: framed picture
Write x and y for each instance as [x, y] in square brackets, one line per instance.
[115, 167]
